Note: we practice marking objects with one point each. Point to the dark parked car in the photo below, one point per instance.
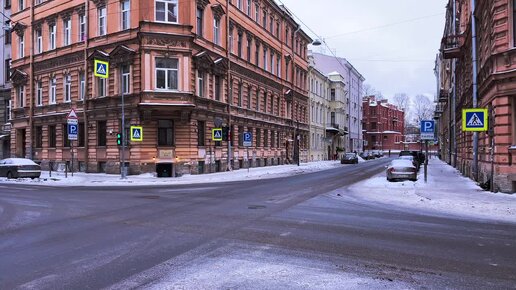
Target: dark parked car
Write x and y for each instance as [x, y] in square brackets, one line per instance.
[419, 156]
[377, 153]
[366, 155]
[19, 168]
[401, 169]
[349, 158]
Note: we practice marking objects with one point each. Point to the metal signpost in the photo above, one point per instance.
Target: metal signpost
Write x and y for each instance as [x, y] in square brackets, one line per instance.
[427, 134]
[72, 129]
[248, 141]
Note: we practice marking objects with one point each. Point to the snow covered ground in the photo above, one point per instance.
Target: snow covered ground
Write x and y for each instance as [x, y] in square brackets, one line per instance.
[92, 179]
[446, 191]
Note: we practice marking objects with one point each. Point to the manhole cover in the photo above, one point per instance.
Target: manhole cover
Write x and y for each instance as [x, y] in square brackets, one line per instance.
[149, 196]
[256, 206]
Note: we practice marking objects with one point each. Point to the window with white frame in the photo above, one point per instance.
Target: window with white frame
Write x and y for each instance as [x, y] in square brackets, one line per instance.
[21, 46]
[239, 4]
[278, 66]
[101, 17]
[21, 96]
[52, 36]
[200, 83]
[82, 27]
[273, 67]
[216, 31]
[166, 10]
[39, 93]
[67, 88]
[52, 92]
[249, 7]
[21, 5]
[167, 73]
[125, 8]
[82, 86]
[265, 58]
[39, 41]
[256, 12]
[125, 78]
[101, 87]
[67, 30]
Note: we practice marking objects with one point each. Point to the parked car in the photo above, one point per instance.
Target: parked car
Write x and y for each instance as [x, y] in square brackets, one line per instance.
[366, 155]
[419, 156]
[412, 159]
[19, 168]
[401, 169]
[377, 153]
[349, 158]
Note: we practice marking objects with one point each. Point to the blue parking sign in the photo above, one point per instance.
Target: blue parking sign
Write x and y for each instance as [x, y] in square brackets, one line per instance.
[427, 130]
[248, 139]
[73, 131]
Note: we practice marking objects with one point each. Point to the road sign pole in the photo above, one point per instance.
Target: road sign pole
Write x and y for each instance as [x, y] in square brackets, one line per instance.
[426, 161]
[71, 148]
[124, 137]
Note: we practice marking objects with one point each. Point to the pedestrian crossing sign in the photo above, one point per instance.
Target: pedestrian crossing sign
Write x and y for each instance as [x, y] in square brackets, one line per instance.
[101, 69]
[216, 134]
[136, 133]
[474, 120]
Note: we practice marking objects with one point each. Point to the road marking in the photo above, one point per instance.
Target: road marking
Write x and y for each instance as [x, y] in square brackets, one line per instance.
[285, 234]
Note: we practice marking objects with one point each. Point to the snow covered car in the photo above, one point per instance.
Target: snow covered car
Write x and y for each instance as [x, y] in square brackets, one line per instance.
[401, 169]
[19, 168]
[412, 159]
[349, 158]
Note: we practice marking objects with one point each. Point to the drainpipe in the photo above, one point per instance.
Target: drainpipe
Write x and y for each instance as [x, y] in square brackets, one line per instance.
[85, 98]
[453, 109]
[229, 86]
[31, 84]
[475, 85]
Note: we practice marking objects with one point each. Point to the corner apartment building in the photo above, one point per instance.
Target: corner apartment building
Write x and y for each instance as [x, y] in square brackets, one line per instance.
[353, 82]
[384, 125]
[182, 68]
[5, 82]
[496, 69]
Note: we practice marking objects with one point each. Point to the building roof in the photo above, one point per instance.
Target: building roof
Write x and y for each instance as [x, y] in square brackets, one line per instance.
[329, 64]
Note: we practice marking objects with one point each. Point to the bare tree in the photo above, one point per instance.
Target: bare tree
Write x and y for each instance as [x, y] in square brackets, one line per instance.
[368, 90]
[423, 108]
[402, 101]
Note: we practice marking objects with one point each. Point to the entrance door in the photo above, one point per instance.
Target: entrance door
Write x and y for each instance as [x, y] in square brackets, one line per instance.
[20, 143]
[164, 169]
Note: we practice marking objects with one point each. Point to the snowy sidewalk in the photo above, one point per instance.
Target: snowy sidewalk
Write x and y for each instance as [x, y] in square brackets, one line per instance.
[97, 179]
[447, 191]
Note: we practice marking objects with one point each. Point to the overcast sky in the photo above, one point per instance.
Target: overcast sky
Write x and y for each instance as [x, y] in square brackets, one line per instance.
[392, 43]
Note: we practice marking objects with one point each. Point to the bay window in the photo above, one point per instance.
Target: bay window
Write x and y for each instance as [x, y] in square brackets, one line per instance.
[167, 73]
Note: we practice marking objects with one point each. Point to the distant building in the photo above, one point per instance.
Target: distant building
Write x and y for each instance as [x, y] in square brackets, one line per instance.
[353, 82]
[5, 82]
[383, 125]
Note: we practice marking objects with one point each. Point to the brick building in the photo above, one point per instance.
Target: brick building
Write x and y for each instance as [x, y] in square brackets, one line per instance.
[5, 82]
[181, 66]
[496, 63]
[383, 125]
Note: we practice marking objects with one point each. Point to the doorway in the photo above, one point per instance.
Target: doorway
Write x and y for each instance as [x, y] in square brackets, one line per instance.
[164, 169]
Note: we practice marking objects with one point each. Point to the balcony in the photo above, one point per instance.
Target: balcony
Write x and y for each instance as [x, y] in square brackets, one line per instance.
[452, 45]
[334, 104]
[444, 95]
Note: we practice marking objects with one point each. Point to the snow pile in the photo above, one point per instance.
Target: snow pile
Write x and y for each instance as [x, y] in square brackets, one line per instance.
[360, 159]
[446, 191]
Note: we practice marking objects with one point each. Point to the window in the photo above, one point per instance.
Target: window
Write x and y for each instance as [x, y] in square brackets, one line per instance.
[38, 136]
[166, 73]
[257, 100]
[52, 136]
[39, 41]
[257, 54]
[52, 36]
[125, 8]
[201, 133]
[272, 63]
[7, 70]
[231, 40]
[200, 83]
[216, 31]
[200, 20]
[39, 93]
[258, 137]
[240, 94]
[249, 92]
[101, 87]
[166, 10]
[217, 87]
[249, 49]
[52, 92]
[21, 96]
[82, 27]
[264, 22]
[265, 138]
[265, 58]
[81, 135]
[248, 7]
[67, 30]
[9, 110]
[21, 5]
[278, 66]
[101, 17]
[7, 4]
[287, 32]
[165, 133]
[256, 12]
[265, 101]
[66, 142]
[101, 133]
[7, 34]
[332, 94]
[82, 86]
[21, 46]
[271, 24]
[67, 88]
[239, 4]
[125, 79]
[272, 105]
[239, 44]
[277, 29]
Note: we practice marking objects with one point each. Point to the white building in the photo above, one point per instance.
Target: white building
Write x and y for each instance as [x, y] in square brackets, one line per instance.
[319, 108]
[5, 84]
[353, 81]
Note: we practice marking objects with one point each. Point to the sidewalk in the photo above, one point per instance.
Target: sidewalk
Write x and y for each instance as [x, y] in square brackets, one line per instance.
[99, 179]
[446, 191]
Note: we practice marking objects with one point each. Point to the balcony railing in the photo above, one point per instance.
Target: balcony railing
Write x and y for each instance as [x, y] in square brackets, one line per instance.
[452, 45]
[443, 95]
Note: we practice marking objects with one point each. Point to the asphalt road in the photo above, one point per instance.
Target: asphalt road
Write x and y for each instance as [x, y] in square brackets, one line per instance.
[293, 232]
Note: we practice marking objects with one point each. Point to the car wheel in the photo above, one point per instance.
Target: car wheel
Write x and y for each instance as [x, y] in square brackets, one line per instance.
[9, 175]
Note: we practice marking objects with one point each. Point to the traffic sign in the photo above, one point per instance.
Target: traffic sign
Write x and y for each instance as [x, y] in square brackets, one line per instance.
[72, 115]
[474, 120]
[101, 69]
[136, 133]
[248, 139]
[427, 130]
[216, 134]
[73, 130]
